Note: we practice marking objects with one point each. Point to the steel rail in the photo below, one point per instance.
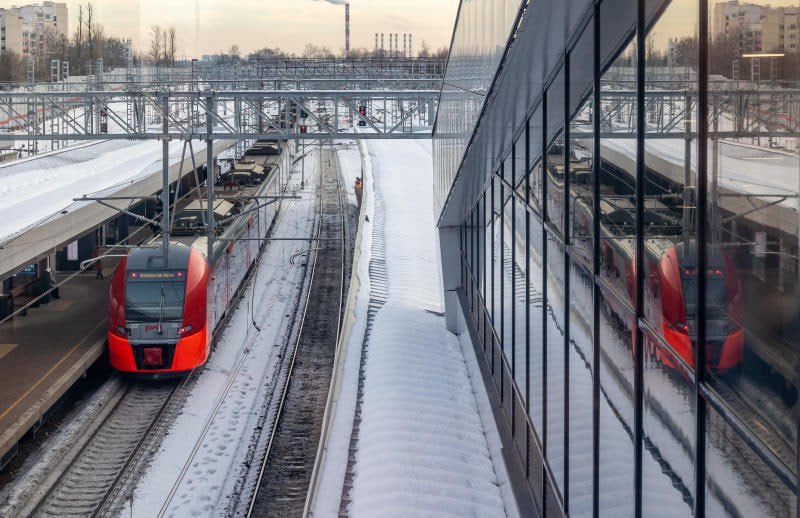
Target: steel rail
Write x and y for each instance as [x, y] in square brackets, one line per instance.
[285, 390]
[232, 376]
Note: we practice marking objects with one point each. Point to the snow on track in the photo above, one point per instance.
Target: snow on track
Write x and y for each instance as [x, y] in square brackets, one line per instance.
[204, 485]
[423, 449]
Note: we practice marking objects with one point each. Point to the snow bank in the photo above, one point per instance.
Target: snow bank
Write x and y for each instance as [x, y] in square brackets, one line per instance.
[422, 447]
[330, 469]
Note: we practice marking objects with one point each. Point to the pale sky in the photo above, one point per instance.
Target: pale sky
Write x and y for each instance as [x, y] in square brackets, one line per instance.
[208, 26]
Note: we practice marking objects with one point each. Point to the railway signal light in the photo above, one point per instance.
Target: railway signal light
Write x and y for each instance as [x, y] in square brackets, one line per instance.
[303, 128]
[104, 120]
[362, 110]
[303, 114]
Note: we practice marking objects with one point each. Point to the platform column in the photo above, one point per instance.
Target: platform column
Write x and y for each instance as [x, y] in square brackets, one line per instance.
[122, 228]
[209, 178]
[165, 176]
[43, 280]
[6, 299]
[449, 245]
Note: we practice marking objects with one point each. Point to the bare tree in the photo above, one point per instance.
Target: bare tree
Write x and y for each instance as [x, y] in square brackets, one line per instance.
[316, 52]
[78, 54]
[155, 44]
[172, 45]
[12, 66]
[91, 35]
[234, 53]
[164, 53]
[424, 50]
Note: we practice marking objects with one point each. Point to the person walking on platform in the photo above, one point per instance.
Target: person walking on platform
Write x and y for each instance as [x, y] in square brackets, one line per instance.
[98, 265]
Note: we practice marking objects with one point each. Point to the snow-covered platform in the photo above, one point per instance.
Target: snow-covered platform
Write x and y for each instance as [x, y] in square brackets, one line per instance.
[37, 211]
[418, 437]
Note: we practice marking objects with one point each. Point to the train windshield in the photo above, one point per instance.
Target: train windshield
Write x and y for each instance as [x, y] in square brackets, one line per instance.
[716, 293]
[154, 297]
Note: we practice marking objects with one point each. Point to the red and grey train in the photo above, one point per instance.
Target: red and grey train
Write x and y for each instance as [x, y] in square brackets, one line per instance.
[164, 311]
[157, 315]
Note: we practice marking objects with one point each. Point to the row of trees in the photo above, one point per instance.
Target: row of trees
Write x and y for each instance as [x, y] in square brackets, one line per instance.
[312, 51]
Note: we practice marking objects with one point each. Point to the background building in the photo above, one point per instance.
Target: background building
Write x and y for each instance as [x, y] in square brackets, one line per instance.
[23, 29]
[609, 196]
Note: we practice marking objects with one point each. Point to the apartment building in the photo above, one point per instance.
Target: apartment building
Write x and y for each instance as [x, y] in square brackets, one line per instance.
[759, 27]
[782, 29]
[23, 28]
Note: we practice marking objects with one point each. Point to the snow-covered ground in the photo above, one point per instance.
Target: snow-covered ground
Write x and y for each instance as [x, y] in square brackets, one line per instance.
[197, 466]
[426, 446]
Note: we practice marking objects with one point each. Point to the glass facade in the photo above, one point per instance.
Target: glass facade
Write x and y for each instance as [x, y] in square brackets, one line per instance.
[480, 36]
[630, 268]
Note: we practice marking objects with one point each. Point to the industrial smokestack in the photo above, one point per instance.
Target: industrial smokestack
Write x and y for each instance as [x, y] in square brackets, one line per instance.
[405, 48]
[410, 50]
[347, 28]
[382, 47]
[396, 44]
[376, 42]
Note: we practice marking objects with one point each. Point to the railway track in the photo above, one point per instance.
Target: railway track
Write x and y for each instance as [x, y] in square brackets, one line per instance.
[773, 492]
[287, 457]
[102, 469]
[91, 481]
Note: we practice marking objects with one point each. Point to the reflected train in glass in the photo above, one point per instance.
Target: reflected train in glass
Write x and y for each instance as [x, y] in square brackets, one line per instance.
[670, 300]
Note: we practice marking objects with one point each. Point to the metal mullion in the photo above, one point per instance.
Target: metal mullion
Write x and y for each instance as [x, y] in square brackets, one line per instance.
[513, 245]
[565, 222]
[474, 238]
[483, 261]
[544, 295]
[700, 212]
[483, 249]
[527, 281]
[494, 313]
[502, 333]
[463, 259]
[596, 267]
[638, 383]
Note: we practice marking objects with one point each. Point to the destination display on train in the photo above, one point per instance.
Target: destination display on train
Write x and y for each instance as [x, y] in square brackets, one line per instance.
[157, 275]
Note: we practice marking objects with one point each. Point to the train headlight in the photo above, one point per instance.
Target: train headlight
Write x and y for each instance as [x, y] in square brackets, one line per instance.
[186, 329]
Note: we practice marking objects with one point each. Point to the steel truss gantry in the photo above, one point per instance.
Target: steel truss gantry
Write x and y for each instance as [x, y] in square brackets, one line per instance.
[236, 114]
[751, 113]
